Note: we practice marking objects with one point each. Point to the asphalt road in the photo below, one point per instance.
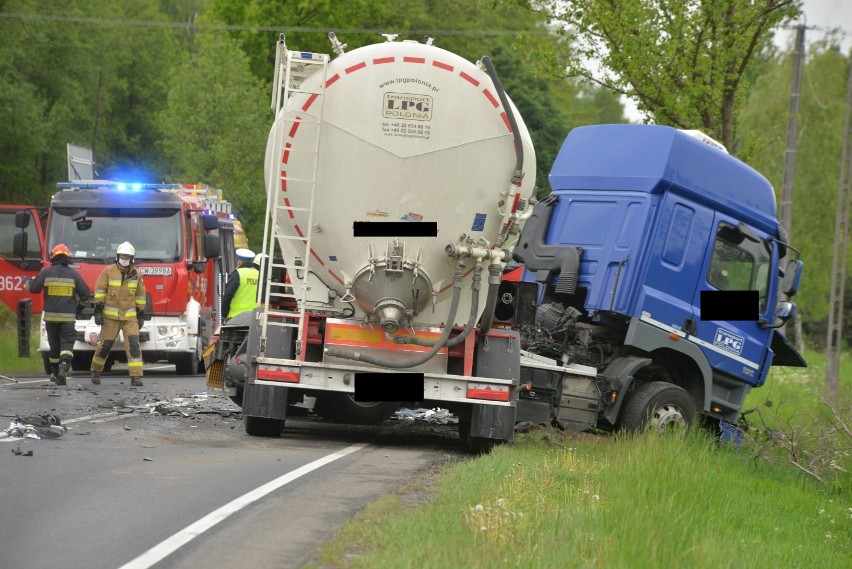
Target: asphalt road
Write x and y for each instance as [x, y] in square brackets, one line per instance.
[165, 476]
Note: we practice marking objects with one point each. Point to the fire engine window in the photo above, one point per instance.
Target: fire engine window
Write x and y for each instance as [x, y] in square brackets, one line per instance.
[154, 233]
[739, 263]
[7, 232]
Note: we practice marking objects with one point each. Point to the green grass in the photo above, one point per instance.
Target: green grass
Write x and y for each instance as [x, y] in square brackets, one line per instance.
[645, 501]
[621, 501]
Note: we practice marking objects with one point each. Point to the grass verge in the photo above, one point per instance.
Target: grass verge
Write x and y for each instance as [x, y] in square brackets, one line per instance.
[12, 365]
[623, 501]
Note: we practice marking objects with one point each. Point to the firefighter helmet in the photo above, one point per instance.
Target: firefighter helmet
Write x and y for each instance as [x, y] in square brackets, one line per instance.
[258, 259]
[60, 249]
[126, 249]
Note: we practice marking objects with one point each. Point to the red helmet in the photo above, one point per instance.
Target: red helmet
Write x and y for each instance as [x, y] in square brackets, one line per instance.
[60, 249]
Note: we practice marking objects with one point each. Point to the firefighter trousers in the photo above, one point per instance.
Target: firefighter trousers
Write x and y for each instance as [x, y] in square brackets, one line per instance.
[60, 337]
[109, 332]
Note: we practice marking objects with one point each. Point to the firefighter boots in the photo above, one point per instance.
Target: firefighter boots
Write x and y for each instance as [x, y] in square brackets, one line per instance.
[96, 377]
[62, 373]
[136, 381]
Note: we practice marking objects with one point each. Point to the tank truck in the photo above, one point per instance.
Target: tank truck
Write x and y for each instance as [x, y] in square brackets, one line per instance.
[396, 174]
[400, 182]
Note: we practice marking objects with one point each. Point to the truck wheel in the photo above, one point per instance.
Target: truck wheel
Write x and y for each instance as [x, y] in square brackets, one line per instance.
[82, 361]
[45, 357]
[344, 409]
[263, 426]
[475, 445]
[185, 364]
[660, 406]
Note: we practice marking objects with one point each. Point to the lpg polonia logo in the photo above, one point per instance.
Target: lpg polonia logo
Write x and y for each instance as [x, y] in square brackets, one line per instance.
[405, 106]
[728, 341]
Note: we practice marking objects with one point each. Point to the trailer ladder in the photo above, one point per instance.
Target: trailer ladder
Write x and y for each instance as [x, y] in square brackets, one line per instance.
[292, 69]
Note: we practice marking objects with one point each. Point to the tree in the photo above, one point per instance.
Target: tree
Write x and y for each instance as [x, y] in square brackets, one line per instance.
[683, 61]
[822, 108]
[214, 126]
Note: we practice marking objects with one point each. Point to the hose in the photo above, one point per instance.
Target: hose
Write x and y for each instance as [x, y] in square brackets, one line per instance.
[471, 322]
[422, 358]
[494, 278]
[518, 174]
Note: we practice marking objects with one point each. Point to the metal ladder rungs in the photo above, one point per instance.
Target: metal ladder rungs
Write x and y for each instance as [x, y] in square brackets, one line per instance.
[292, 179]
[290, 208]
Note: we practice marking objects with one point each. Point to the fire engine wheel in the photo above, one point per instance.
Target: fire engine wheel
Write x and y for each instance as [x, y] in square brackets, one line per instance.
[263, 426]
[342, 408]
[187, 364]
[659, 406]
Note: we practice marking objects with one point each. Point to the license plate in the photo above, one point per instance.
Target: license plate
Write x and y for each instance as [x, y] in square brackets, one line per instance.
[155, 271]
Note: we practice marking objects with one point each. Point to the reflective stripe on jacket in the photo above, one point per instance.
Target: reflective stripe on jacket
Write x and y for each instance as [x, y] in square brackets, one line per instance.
[63, 287]
[245, 298]
[121, 292]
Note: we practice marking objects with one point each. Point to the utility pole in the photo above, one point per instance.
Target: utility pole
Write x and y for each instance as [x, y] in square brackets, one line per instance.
[834, 341]
[786, 213]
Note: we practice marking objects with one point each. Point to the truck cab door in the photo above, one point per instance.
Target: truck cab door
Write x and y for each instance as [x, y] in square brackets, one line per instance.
[14, 268]
[740, 258]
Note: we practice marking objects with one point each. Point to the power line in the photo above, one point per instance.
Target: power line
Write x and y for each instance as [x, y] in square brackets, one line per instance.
[254, 28]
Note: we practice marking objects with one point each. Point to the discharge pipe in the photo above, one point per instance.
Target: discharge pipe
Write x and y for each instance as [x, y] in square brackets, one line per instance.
[518, 172]
[422, 358]
[471, 322]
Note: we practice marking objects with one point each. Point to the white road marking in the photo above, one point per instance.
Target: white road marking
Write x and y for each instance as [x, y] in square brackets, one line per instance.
[190, 532]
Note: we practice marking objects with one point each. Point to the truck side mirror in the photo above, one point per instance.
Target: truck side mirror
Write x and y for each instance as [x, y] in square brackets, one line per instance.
[792, 276]
[210, 222]
[785, 310]
[22, 219]
[211, 246]
[19, 244]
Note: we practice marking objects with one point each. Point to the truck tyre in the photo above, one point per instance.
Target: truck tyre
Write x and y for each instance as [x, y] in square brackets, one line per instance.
[82, 361]
[186, 364]
[263, 426]
[342, 408]
[660, 406]
[45, 358]
[474, 445]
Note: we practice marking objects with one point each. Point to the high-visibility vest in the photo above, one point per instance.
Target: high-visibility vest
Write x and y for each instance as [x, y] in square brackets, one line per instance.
[245, 298]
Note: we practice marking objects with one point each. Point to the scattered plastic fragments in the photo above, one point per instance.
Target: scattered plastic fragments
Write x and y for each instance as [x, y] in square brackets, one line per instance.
[19, 452]
[435, 416]
[43, 426]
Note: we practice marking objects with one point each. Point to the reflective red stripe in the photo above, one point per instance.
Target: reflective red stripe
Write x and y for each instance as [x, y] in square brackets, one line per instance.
[414, 59]
[469, 79]
[338, 279]
[380, 60]
[317, 257]
[491, 98]
[506, 121]
[444, 66]
[332, 80]
[355, 67]
[310, 101]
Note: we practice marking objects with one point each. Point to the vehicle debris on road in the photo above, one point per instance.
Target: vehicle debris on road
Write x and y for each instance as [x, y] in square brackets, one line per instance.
[42, 426]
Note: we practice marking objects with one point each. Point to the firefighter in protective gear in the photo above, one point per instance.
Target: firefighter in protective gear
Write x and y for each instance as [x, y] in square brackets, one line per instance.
[120, 307]
[64, 289]
[241, 290]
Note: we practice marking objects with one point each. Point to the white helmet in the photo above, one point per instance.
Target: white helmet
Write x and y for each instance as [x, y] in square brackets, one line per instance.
[126, 249]
[259, 258]
[245, 254]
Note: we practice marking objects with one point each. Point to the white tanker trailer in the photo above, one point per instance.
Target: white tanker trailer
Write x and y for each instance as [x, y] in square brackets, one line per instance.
[397, 174]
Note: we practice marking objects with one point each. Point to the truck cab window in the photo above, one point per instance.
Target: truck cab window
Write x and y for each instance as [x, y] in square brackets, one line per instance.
[738, 263]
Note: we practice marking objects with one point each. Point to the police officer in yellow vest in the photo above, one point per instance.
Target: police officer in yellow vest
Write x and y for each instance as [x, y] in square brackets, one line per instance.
[120, 306]
[241, 289]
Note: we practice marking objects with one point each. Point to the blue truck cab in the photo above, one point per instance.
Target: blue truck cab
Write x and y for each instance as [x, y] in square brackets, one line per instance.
[658, 260]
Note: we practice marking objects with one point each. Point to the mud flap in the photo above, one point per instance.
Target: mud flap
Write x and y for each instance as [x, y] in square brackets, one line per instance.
[492, 422]
[269, 401]
[25, 312]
